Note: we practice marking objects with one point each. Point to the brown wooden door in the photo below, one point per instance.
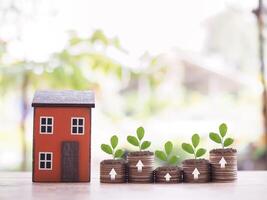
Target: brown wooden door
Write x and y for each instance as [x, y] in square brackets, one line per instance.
[70, 161]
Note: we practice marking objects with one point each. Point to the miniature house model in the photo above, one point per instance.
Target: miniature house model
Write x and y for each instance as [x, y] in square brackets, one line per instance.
[62, 136]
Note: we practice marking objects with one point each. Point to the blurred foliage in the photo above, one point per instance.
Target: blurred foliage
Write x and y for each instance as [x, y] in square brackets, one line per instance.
[78, 66]
[84, 63]
[70, 67]
[67, 68]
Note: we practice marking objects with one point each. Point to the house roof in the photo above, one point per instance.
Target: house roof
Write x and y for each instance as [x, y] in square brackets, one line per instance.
[72, 98]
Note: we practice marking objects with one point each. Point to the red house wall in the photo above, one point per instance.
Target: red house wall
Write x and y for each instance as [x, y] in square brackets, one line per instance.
[52, 143]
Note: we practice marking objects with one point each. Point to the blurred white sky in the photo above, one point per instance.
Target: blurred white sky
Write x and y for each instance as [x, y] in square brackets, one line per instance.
[141, 25]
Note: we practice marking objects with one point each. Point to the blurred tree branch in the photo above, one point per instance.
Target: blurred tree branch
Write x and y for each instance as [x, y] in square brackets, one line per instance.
[259, 13]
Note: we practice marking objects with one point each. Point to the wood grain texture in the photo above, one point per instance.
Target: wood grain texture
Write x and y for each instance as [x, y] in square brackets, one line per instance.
[70, 161]
[16, 185]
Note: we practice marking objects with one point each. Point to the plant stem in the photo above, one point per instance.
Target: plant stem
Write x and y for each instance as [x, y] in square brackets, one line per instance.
[113, 154]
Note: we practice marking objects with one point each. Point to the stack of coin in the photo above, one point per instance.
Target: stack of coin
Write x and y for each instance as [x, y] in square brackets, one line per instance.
[168, 174]
[196, 171]
[140, 167]
[113, 171]
[223, 165]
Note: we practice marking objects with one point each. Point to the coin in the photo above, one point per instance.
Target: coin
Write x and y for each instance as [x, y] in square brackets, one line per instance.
[113, 171]
[140, 167]
[223, 165]
[196, 171]
[168, 174]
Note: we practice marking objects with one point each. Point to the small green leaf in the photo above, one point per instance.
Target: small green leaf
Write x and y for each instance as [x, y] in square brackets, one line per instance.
[195, 140]
[168, 147]
[200, 152]
[228, 142]
[145, 145]
[114, 141]
[223, 129]
[215, 137]
[173, 160]
[106, 148]
[188, 148]
[133, 140]
[161, 155]
[119, 153]
[140, 133]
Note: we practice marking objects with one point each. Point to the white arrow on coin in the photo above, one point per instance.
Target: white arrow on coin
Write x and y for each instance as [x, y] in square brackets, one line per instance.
[167, 177]
[139, 166]
[112, 174]
[223, 162]
[195, 173]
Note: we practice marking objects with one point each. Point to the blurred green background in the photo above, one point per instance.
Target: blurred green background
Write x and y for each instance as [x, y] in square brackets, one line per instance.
[174, 67]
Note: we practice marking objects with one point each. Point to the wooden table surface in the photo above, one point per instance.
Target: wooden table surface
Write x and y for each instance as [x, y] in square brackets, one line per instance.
[18, 186]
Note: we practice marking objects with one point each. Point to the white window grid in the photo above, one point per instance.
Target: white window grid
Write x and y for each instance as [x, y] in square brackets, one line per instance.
[77, 125]
[45, 160]
[46, 124]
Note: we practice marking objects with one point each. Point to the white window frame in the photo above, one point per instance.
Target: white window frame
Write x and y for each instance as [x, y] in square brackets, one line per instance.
[45, 160]
[40, 127]
[77, 126]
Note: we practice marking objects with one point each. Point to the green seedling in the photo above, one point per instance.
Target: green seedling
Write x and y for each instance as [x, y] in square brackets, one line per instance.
[220, 138]
[192, 148]
[166, 154]
[111, 149]
[137, 141]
